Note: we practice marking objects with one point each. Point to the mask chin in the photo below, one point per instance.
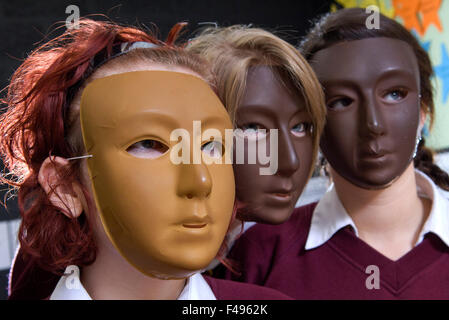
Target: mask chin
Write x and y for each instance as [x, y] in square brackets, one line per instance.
[378, 187]
[368, 185]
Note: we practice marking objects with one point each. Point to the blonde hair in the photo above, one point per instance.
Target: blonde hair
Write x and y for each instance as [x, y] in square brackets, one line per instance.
[231, 51]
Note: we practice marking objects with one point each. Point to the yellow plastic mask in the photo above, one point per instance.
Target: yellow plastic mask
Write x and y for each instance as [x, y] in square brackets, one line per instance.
[168, 220]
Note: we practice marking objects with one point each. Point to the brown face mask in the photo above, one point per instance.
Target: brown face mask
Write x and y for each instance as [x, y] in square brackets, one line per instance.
[372, 96]
[168, 220]
[267, 104]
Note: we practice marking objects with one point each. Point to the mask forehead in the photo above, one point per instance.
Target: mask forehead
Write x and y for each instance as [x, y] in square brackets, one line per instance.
[363, 62]
[144, 204]
[115, 104]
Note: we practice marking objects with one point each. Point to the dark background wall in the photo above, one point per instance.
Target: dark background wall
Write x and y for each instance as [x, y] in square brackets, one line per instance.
[24, 23]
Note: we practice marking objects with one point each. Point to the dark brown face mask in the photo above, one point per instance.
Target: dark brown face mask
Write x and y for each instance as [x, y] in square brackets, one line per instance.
[372, 97]
[267, 104]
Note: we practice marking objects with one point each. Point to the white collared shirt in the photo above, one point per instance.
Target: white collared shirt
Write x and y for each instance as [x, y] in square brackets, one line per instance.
[69, 287]
[330, 216]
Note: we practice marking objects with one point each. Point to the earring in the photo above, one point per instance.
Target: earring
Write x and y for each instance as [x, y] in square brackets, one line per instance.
[322, 166]
[418, 140]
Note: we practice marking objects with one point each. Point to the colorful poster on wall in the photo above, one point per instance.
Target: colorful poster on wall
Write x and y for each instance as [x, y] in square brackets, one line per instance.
[428, 20]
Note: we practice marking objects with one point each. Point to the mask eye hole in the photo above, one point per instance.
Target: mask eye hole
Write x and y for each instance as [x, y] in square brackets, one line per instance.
[302, 129]
[395, 95]
[148, 149]
[339, 103]
[213, 149]
[253, 131]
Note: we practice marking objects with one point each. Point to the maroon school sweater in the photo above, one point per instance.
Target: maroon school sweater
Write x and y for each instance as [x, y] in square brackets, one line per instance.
[29, 282]
[274, 256]
[232, 290]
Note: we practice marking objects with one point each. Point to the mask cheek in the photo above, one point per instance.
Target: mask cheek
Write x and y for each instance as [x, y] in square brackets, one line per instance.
[340, 148]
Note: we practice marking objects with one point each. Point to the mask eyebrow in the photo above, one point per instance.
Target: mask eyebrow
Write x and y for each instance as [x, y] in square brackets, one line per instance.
[257, 108]
[213, 121]
[339, 82]
[402, 73]
[161, 116]
[168, 120]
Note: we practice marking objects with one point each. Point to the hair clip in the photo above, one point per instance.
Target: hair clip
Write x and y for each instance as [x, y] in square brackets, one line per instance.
[128, 46]
[80, 157]
[215, 24]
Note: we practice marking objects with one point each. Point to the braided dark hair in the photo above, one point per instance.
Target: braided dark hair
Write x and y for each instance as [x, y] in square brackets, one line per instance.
[424, 162]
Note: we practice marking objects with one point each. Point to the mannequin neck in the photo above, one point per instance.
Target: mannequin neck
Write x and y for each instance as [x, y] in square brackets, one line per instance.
[111, 277]
[388, 219]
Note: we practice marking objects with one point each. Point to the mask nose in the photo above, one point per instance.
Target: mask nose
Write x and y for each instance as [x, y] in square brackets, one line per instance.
[288, 159]
[373, 122]
[194, 181]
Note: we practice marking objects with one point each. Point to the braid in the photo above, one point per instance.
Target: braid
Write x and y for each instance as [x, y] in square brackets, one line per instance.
[424, 162]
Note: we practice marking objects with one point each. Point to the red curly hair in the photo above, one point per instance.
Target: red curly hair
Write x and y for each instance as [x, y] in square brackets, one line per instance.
[37, 124]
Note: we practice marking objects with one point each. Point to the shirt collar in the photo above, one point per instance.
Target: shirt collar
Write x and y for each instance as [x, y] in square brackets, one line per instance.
[69, 287]
[438, 220]
[196, 288]
[330, 216]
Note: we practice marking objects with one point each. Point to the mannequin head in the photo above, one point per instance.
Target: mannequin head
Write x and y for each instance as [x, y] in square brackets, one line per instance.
[166, 220]
[265, 84]
[378, 94]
